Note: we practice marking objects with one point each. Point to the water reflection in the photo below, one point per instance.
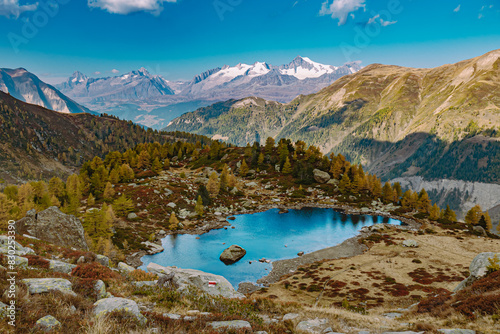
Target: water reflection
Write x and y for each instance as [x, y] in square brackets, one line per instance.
[264, 235]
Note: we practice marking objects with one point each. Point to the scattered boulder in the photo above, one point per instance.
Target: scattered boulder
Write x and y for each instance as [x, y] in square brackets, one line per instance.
[103, 260]
[300, 253]
[290, 316]
[410, 243]
[61, 267]
[140, 284]
[233, 324]
[480, 230]
[18, 248]
[456, 331]
[53, 226]
[232, 254]
[47, 324]
[125, 268]
[172, 316]
[20, 262]
[478, 269]
[107, 305]
[100, 289]
[313, 326]
[132, 215]
[3, 310]
[43, 285]
[320, 176]
[171, 205]
[211, 284]
[152, 247]
[393, 315]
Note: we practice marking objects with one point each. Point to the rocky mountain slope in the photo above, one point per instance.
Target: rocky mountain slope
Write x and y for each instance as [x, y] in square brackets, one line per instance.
[460, 195]
[27, 87]
[153, 101]
[438, 123]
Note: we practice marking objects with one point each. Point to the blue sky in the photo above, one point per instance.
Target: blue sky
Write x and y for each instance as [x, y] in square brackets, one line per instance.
[181, 38]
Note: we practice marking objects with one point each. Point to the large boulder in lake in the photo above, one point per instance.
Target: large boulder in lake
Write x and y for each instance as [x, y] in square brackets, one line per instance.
[478, 268]
[320, 176]
[53, 226]
[232, 254]
[182, 279]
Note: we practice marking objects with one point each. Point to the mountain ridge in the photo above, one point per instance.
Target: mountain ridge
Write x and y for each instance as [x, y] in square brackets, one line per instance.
[375, 116]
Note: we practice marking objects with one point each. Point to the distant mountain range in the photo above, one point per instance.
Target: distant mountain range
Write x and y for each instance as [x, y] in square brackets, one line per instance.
[153, 101]
[438, 123]
[27, 87]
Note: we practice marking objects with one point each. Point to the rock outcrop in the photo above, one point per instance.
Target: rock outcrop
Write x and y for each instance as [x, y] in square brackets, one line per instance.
[320, 176]
[211, 284]
[478, 269]
[47, 324]
[53, 226]
[232, 254]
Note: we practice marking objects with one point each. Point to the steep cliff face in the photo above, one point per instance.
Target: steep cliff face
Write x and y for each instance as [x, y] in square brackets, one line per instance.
[460, 195]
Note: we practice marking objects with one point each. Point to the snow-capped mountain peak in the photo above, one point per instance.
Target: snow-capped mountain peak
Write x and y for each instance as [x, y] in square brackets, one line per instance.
[78, 77]
[304, 68]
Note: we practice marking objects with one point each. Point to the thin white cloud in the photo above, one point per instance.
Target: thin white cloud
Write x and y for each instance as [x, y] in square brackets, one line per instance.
[124, 7]
[12, 8]
[480, 16]
[456, 10]
[373, 19]
[387, 23]
[340, 9]
[97, 73]
[115, 71]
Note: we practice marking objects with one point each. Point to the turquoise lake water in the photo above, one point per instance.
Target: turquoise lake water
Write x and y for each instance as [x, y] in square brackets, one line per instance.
[267, 235]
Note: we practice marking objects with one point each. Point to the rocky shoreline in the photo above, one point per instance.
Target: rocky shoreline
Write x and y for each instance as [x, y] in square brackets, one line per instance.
[349, 248]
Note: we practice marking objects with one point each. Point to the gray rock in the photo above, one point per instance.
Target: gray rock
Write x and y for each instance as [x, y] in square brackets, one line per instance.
[189, 318]
[168, 192]
[477, 268]
[456, 331]
[172, 316]
[320, 176]
[43, 285]
[61, 267]
[101, 259]
[100, 289]
[315, 326]
[171, 205]
[232, 254]
[184, 278]
[410, 243]
[251, 184]
[140, 284]
[290, 316]
[20, 262]
[152, 247]
[233, 324]
[267, 320]
[47, 324]
[132, 215]
[480, 230]
[393, 315]
[125, 268]
[107, 305]
[18, 248]
[53, 226]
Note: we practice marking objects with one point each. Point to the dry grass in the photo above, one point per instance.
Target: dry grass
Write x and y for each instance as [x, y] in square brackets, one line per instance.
[391, 276]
